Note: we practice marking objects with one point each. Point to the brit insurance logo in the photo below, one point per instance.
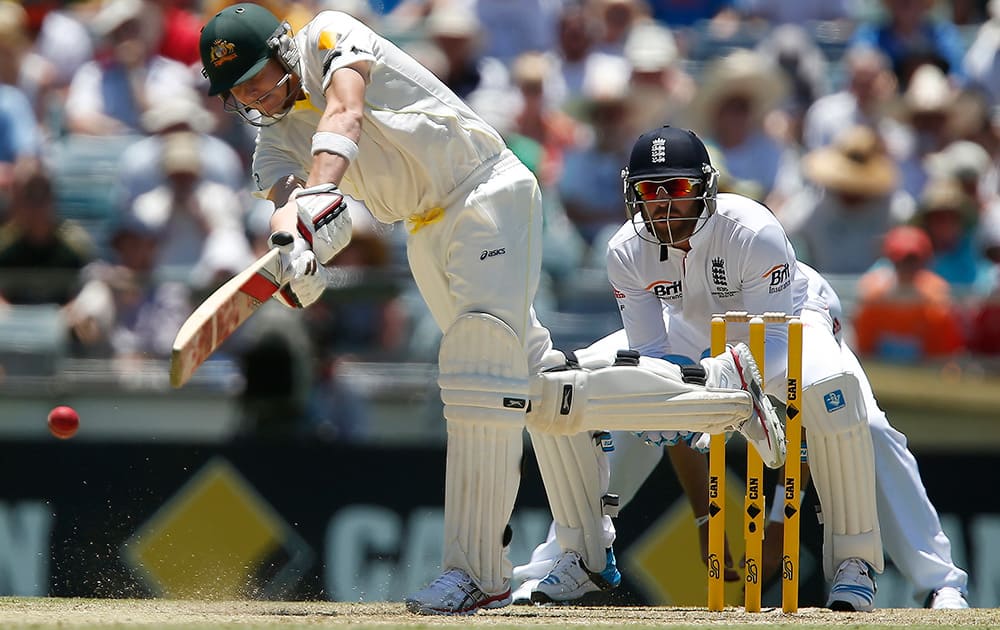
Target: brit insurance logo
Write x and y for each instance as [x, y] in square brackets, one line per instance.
[666, 289]
[781, 278]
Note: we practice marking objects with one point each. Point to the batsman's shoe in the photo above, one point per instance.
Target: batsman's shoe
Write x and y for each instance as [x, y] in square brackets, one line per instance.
[737, 369]
[571, 582]
[947, 597]
[853, 587]
[454, 593]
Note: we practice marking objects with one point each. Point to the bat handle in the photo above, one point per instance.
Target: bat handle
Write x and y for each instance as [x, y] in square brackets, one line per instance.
[282, 240]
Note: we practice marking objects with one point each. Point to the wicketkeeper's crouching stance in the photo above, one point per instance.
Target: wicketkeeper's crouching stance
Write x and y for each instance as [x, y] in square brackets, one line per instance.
[569, 408]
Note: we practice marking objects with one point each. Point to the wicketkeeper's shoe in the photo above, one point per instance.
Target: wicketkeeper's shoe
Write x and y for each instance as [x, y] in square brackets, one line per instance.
[853, 587]
[736, 369]
[543, 558]
[947, 597]
[454, 593]
[571, 582]
[521, 596]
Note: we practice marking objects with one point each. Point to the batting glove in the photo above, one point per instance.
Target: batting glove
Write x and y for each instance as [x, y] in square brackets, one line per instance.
[304, 279]
[323, 219]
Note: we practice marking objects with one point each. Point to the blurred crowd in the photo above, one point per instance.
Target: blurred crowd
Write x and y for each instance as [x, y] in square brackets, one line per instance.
[870, 128]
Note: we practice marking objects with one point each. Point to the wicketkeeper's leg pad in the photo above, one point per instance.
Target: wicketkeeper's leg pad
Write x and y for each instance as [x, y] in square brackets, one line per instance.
[842, 463]
[634, 394]
[576, 473]
[484, 385]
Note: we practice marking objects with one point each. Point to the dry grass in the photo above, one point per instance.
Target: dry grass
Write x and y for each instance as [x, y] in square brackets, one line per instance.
[121, 614]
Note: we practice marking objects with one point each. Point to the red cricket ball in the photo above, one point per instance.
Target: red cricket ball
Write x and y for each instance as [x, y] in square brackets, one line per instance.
[63, 422]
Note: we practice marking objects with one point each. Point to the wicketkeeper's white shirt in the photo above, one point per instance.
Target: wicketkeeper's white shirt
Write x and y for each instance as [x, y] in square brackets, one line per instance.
[740, 260]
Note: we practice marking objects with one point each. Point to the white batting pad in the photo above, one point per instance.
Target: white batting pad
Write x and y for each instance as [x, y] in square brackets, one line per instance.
[842, 462]
[649, 396]
[481, 480]
[576, 472]
[483, 372]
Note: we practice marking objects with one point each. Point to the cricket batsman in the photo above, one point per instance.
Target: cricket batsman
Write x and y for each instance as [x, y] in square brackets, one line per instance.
[342, 110]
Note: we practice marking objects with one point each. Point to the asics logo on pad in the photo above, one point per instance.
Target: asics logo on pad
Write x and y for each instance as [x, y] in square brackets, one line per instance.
[490, 253]
[834, 401]
[514, 403]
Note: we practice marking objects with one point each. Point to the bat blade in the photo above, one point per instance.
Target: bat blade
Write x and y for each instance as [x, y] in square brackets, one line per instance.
[221, 313]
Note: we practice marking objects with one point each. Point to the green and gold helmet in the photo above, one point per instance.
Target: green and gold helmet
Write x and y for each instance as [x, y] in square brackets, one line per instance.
[238, 41]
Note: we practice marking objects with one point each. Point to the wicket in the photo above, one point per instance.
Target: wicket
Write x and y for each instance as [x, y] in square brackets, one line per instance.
[754, 500]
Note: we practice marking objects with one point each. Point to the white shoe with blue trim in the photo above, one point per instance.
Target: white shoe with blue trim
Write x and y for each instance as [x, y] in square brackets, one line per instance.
[948, 597]
[853, 587]
[571, 582]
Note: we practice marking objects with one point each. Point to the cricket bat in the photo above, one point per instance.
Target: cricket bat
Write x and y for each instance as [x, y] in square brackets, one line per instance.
[224, 311]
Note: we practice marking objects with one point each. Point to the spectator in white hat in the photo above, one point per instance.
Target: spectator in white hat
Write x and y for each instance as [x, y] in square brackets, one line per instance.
[924, 109]
[661, 88]
[969, 164]
[110, 97]
[735, 95]
[139, 169]
[191, 214]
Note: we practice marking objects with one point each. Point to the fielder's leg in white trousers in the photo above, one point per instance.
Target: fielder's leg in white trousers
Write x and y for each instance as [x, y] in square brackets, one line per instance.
[911, 529]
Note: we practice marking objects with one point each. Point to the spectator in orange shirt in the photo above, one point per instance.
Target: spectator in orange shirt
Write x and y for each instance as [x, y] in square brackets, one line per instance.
[905, 311]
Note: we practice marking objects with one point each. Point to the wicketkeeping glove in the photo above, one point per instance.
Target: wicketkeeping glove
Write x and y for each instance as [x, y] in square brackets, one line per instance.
[663, 438]
[303, 278]
[323, 220]
[696, 440]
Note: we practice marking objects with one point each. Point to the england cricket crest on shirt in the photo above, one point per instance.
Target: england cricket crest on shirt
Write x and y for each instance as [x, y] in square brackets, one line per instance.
[720, 280]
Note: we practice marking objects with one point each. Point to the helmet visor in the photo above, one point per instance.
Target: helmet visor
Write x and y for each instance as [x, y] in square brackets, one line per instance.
[674, 188]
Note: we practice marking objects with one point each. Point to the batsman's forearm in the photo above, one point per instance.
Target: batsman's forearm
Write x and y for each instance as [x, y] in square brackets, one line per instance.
[327, 168]
[282, 189]
[284, 219]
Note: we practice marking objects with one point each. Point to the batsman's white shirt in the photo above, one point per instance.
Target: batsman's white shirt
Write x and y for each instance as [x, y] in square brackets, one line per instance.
[474, 211]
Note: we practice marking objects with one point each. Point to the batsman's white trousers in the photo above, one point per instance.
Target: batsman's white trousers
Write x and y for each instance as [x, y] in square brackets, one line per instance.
[482, 254]
[485, 255]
